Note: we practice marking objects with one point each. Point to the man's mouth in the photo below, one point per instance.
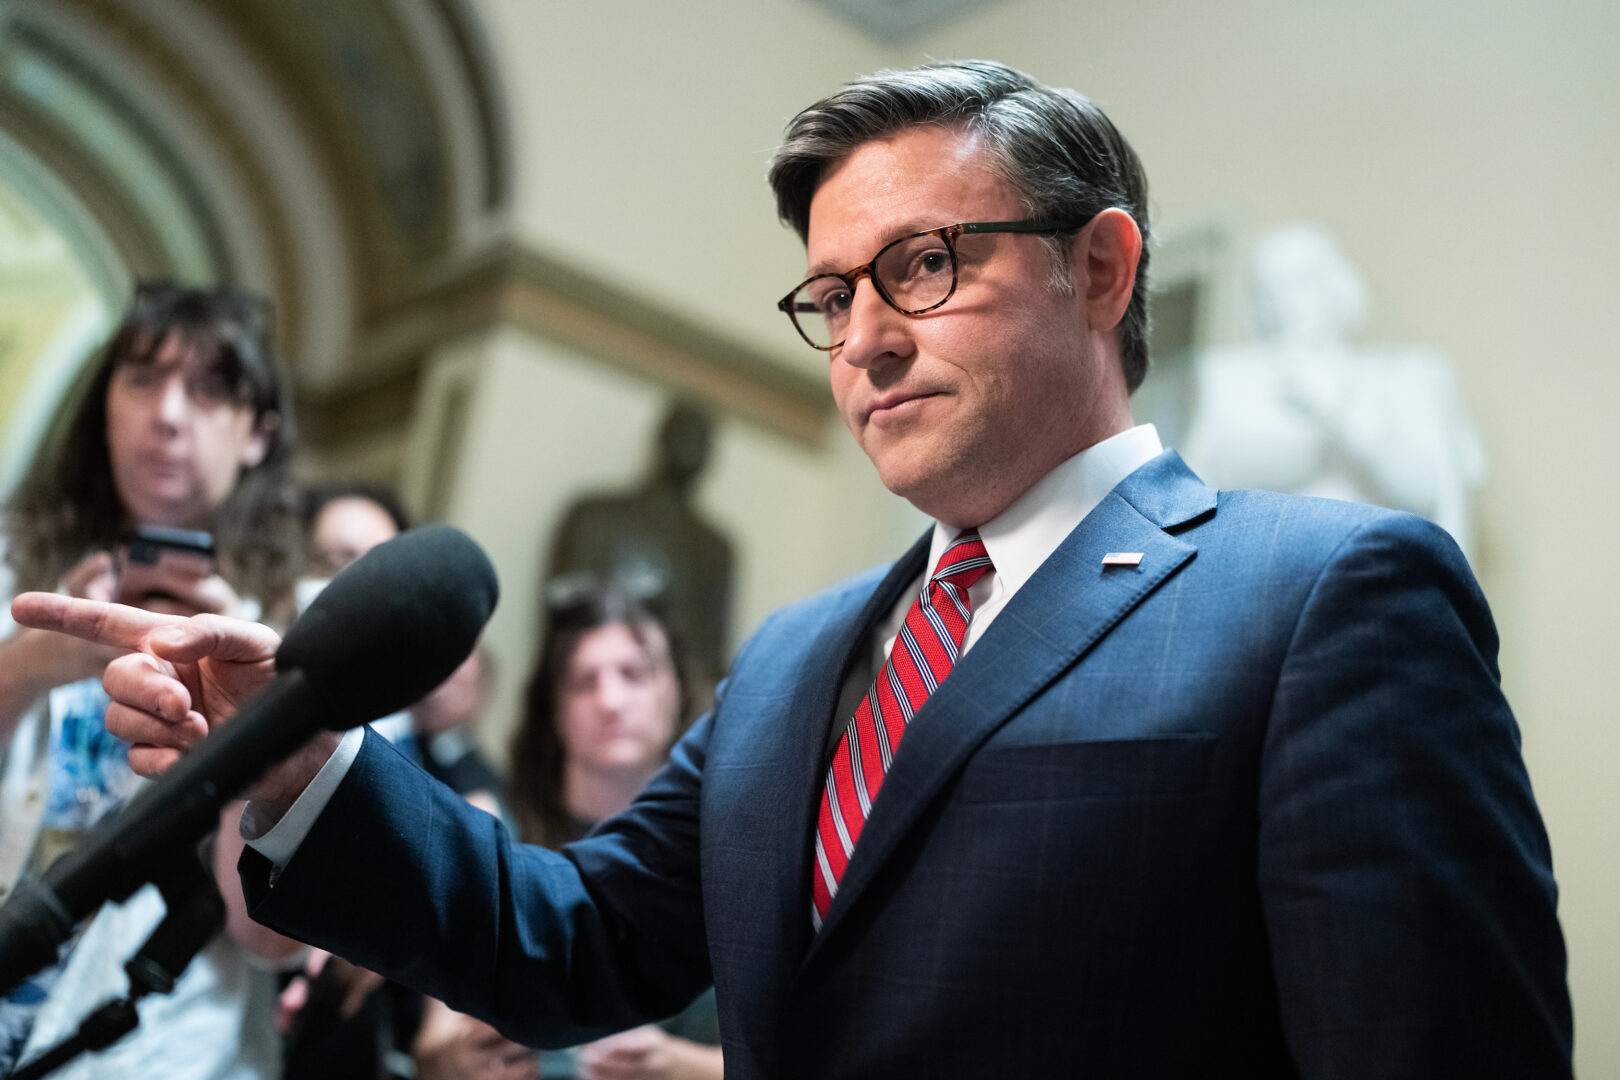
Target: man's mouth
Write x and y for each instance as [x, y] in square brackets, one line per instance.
[897, 404]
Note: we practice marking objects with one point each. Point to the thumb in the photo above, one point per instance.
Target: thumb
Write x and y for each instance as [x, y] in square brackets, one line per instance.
[216, 637]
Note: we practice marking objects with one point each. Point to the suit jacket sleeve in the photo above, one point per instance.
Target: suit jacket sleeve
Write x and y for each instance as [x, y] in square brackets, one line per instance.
[403, 877]
[1405, 875]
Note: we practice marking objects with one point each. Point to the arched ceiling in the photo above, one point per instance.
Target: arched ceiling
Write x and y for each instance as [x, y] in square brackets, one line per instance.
[349, 159]
[331, 154]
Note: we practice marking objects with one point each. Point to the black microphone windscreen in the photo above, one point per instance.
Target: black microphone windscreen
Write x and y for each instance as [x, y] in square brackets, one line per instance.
[394, 624]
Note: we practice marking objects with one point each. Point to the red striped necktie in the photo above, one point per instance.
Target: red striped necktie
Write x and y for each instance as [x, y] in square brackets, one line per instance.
[922, 656]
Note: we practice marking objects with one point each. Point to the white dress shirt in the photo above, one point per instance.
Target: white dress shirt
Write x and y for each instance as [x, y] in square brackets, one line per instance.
[1023, 536]
[1018, 541]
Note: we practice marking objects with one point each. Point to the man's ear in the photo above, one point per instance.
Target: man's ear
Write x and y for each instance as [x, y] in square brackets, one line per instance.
[258, 442]
[1105, 256]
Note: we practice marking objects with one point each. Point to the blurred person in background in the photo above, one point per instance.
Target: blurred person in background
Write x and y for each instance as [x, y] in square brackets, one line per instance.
[182, 422]
[342, 1021]
[607, 700]
[341, 523]
[344, 521]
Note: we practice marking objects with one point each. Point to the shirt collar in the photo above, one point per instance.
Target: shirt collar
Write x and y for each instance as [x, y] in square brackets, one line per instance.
[1021, 537]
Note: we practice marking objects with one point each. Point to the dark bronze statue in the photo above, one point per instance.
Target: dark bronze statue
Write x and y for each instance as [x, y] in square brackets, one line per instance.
[651, 542]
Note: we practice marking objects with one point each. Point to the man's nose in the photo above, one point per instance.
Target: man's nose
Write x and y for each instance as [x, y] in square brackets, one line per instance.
[876, 333]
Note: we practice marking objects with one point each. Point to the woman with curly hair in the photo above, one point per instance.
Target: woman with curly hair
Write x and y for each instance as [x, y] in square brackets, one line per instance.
[181, 423]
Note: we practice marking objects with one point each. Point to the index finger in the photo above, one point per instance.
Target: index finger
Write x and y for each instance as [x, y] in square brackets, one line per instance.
[106, 624]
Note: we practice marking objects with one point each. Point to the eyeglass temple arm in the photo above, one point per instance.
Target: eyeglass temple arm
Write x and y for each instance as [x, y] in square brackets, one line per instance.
[1040, 226]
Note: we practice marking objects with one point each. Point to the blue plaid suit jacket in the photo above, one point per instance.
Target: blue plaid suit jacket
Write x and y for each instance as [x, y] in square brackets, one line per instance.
[1254, 807]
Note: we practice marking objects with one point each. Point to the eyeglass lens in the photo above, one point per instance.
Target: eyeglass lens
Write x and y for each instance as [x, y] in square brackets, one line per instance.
[914, 273]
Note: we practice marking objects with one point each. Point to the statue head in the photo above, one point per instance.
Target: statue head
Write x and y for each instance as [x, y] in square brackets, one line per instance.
[1306, 292]
[683, 444]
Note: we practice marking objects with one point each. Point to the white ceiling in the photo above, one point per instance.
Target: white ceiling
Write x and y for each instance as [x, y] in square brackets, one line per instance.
[897, 22]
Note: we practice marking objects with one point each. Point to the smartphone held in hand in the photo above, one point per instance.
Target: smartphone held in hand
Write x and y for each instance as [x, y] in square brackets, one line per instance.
[158, 564]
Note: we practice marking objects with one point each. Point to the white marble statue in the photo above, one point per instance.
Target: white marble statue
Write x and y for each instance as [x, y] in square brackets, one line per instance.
[1303, 411]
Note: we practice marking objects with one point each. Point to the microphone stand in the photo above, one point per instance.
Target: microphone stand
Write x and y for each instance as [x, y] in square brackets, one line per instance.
[165, 819]
[195, 913]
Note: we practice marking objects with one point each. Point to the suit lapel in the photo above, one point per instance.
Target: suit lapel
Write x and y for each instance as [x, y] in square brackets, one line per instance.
[1069, 603]
[798, 739]
[906, 570]
[807, 731]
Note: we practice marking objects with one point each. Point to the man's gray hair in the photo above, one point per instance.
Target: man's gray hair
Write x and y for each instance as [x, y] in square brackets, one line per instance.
[1057, 149]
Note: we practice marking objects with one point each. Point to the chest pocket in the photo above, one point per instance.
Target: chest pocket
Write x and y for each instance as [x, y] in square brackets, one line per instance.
[1173, 763]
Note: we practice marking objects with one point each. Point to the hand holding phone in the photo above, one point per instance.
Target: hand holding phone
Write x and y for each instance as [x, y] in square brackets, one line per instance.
[170, 570]
[95, 577]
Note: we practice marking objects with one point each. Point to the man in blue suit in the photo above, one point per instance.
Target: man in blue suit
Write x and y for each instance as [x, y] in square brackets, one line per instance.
[1111, 775]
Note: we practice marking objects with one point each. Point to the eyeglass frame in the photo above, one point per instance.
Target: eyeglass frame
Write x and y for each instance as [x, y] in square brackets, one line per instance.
[949, 234]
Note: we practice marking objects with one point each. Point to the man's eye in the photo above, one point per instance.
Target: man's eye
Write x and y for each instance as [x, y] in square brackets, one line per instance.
[832, 302]
[930, 263]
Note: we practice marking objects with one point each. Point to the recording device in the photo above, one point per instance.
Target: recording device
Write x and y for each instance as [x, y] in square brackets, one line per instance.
[389, 628]
[149, 559]
[194, 913]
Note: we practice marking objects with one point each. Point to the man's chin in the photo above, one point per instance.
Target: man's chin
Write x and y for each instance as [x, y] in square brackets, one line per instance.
[925, 489]
[953, 501]
[902, 477]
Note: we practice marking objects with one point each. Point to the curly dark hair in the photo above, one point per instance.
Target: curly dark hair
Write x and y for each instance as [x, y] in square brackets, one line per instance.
[536, 790]
[68, 505]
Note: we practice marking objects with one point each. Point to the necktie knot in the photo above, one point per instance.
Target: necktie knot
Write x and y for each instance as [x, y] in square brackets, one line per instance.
[964, 562]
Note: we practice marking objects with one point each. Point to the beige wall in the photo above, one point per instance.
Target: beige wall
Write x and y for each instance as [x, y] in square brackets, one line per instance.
[643, 130]
[1465, 154]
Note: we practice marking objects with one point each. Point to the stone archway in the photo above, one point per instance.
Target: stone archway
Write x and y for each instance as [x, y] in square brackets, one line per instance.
[336, 157]
[352, 161]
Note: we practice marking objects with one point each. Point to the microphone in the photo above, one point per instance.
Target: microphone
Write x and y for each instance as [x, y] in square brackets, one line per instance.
[388, 629]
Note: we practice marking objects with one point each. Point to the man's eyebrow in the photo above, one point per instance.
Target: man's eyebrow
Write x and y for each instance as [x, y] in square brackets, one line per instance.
[889, 236]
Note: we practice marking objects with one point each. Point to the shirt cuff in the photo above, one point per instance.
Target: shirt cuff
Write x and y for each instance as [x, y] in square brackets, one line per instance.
[279, 840]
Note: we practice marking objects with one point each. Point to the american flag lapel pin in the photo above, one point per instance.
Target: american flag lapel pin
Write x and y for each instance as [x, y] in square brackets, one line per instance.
[1122, 558]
